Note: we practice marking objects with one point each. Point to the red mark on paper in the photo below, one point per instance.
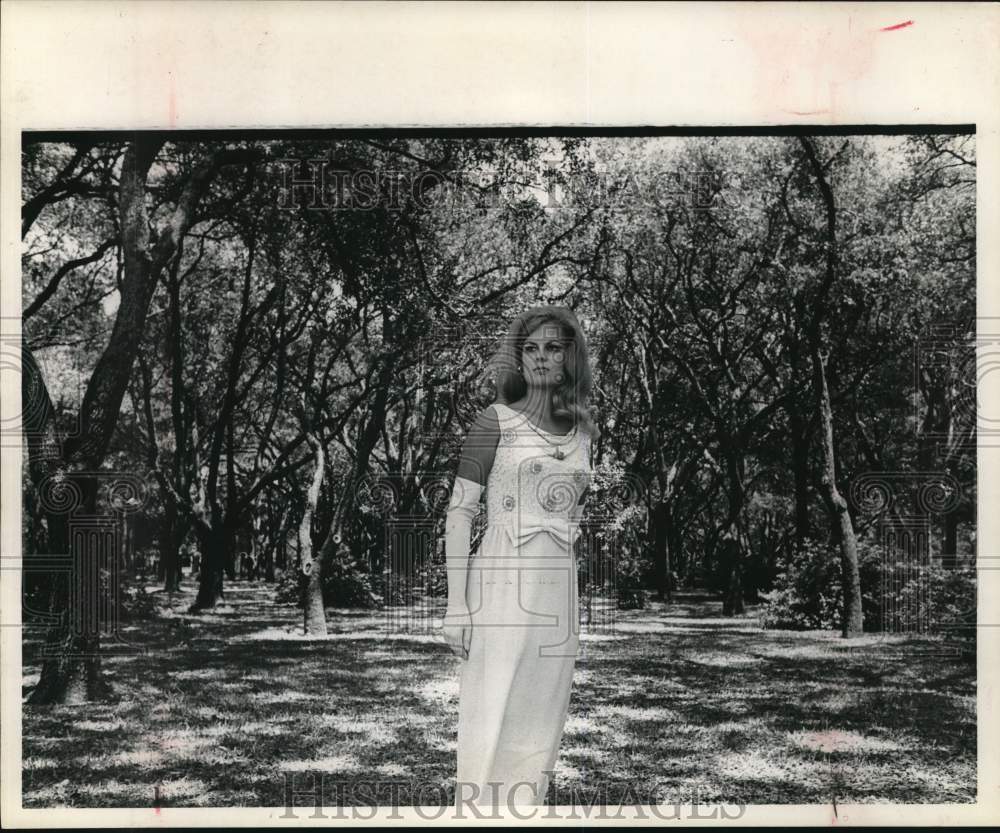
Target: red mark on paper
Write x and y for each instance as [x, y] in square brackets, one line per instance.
[902, 25]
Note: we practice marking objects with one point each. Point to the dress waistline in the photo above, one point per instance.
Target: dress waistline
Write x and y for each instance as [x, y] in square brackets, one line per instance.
[524, 526]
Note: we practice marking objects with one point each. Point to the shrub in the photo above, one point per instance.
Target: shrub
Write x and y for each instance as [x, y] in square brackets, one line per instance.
[347, 582]
[286, 587]
[135, 602]
[933, 598]
[631, 598]
[804, 595]
[808, 593]
[953, 600]
[628, 577]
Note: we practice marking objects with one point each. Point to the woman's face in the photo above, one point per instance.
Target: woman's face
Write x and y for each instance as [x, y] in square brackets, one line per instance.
[543, 357]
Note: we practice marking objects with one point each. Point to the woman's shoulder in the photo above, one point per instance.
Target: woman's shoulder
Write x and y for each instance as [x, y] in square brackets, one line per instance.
[586, 440]
[480, 447]
[500, 413]
[488, 419]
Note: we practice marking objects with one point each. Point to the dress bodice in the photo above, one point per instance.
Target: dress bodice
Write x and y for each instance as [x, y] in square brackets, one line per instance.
[527, 485]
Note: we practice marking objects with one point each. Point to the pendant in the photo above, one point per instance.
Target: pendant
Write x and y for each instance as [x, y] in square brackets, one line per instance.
[558, 454]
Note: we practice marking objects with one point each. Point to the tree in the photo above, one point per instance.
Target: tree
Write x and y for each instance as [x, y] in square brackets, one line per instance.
[852, 623]
[71, 673]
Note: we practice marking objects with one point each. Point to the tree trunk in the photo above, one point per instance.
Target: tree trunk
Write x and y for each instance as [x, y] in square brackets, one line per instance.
[314, 614]
[800, 472]
[71, 673]
[949, 547]
[72, 668]
[732, 539]
[231, 519]
[852, 623]
[732, 603]
[661, 550]
[270, 551]
[212, 538]
[212, 543]
[170, 555]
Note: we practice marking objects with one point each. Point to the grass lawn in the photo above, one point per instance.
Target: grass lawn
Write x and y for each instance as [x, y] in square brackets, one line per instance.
[675, 702]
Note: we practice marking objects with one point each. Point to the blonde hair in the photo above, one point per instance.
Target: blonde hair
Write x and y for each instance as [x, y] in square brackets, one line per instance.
[569, 396]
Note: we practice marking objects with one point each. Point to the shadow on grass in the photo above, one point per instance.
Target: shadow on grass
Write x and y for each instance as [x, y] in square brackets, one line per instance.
[675, 701]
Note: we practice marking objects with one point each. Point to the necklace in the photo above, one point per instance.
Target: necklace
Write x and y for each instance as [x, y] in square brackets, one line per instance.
[557, 453]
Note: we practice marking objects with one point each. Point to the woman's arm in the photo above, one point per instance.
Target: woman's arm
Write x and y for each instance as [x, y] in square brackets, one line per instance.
[576, 513]
[480, 447]
[474, 468]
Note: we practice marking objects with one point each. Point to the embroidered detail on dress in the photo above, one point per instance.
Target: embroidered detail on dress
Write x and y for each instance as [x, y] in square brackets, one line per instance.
[528, 483]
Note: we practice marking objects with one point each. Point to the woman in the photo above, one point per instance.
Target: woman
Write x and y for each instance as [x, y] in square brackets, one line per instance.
[512, 610]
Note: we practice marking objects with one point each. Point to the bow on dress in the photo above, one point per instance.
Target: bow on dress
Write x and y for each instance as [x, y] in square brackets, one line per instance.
[528, 525]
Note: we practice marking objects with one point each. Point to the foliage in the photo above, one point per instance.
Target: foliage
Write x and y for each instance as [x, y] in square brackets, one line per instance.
[808, 592]
[135, 602]
[895, 597]
[368, 330]
[348, 582]
[287, 587]
[932, 598]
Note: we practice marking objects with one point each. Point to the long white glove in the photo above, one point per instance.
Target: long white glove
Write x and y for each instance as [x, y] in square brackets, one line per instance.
[574, 518]
[463, 508]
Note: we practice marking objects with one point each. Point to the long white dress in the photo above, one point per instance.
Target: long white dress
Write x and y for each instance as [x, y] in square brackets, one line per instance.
[522, 594]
